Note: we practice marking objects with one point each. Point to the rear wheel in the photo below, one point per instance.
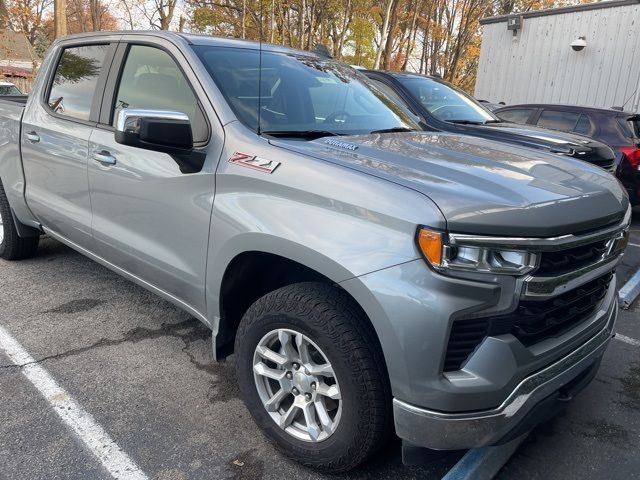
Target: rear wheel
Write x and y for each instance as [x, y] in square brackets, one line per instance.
[312, 375]
[12, 246]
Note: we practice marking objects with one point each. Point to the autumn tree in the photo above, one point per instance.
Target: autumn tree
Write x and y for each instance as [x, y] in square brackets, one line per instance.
[26, 15]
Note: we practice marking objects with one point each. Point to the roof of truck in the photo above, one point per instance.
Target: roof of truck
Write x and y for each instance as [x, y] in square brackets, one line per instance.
[196, 40]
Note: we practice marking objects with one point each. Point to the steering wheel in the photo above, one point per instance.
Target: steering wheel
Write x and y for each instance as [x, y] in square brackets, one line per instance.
[341, 116]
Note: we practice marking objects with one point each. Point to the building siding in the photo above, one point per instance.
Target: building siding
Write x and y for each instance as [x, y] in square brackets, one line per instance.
[538, 65]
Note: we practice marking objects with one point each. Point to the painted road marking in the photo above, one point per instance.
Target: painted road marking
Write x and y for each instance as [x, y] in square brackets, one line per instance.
[483, 463]
[117, 463]
[633, 244]
[629, 340]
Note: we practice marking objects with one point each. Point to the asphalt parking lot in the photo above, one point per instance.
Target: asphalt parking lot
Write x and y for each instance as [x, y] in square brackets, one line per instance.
[144, 371]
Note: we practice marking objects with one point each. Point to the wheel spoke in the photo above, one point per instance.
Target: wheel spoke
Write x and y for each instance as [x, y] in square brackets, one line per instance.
[295, 379]
[325, 370]
[287, 418]
[323, 416]
[303, 348]
[332, 391]
[272, 356]
[274, 373]
[287, 349]
[313, 429]
[274, 402]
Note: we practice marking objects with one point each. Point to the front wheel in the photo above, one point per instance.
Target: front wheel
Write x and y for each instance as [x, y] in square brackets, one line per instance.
[313, 377]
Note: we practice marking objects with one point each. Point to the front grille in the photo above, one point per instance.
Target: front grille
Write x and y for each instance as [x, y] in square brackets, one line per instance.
[537, 320]
[564, 261]
[531, 322]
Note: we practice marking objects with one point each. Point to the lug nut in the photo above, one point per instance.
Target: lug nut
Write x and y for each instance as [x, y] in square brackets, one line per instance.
[313, 385]
[306, 370]
[289, 375]
[296, 366]
[307, 396]
[295, 391]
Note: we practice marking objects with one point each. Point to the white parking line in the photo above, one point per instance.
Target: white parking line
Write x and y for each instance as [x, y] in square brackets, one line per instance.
[117, 463]
[633, 244]
[629, 340]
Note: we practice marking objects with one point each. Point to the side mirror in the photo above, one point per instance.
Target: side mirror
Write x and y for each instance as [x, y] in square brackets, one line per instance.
[159, 130]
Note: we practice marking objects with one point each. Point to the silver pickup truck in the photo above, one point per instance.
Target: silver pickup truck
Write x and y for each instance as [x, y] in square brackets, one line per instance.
[365, 275]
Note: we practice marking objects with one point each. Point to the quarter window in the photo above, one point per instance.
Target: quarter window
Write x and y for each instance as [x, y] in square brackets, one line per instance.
[74, 82]
[152, 80]
[516, 115]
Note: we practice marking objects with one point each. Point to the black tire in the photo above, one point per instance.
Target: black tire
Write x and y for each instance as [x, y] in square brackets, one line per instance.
[14, 247]
[331, 319]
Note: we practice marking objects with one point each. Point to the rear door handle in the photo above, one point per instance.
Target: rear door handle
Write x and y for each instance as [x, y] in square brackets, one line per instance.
[33, 137]
[104, 157]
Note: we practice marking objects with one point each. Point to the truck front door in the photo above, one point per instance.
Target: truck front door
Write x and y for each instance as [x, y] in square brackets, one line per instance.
[151, 214]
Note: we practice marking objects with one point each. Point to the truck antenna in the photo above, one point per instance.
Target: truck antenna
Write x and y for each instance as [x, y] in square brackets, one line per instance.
[260, 70]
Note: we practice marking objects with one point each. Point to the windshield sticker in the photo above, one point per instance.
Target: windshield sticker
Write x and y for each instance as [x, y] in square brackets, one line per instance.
[339, 144]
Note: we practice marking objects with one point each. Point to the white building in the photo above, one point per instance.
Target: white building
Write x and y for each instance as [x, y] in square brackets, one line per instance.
[535, 57]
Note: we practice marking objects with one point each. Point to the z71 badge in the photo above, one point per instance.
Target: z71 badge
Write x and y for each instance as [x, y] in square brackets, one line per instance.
[256, 163]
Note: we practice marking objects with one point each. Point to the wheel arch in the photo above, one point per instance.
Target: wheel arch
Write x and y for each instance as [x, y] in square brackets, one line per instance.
[251, 274]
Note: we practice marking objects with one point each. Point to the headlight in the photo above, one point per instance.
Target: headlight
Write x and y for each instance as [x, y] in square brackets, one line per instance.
[442, 256]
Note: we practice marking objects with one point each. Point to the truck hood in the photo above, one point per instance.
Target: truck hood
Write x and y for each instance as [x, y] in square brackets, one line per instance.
[481, 186]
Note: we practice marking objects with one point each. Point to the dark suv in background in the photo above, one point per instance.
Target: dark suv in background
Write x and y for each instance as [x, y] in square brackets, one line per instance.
[618, 129]
[442, 107]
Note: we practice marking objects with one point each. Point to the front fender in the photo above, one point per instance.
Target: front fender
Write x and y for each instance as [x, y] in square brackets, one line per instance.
[334, 220]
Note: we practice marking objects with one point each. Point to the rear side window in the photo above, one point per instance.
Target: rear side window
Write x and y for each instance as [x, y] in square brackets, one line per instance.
[75, 80]
[555, 120]
[583, 127]
[631, 128]
[516, 115]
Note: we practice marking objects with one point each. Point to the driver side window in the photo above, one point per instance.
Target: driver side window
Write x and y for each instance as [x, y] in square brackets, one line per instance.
[152, 80]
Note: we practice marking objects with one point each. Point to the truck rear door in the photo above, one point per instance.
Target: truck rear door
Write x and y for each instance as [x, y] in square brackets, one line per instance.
[57, 123]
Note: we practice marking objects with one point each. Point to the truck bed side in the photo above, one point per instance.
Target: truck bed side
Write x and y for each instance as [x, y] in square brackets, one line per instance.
[11, 171]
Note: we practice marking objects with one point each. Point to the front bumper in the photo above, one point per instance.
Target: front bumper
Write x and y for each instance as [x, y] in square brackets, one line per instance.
[560, 380]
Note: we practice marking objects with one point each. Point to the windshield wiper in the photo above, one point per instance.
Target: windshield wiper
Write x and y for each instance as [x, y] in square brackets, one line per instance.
[465, 122]
[394, 130]
[306, 134]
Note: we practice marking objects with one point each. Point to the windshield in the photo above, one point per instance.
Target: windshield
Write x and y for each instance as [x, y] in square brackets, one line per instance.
[300, 93]
[9, 90]
[446, 102]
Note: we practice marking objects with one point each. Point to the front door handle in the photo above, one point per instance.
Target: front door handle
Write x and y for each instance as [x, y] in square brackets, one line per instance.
[33, 137]
[104, 157]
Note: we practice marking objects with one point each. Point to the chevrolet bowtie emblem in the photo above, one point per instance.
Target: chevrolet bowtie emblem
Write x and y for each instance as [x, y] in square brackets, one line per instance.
[251, 161]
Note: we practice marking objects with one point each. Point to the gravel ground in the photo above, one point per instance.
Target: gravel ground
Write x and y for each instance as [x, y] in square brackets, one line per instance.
[144, 371]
